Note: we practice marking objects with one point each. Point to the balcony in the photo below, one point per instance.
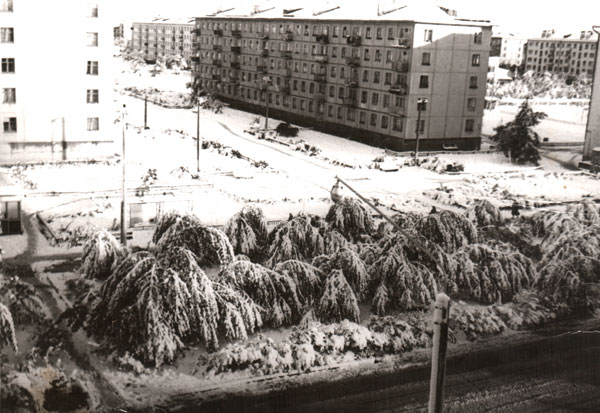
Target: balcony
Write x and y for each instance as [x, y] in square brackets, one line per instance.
[288, 36]
[319, 96]
[403, 43]
[261, 69]
[322, 38]
[218, 32]
[354, 41]
[319, 77]
[195, 59]
[217, 48]
[234, 65]
[236, 49]
[216, 62]
[398, 89]
[353, 61]
[286, 54]
[320, 58]
[400, 66]
[350, 101]
[264, 53]
[351, 82]
[236, 33]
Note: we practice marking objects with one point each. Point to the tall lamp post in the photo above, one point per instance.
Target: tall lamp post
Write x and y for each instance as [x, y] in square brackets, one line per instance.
[421, 105]
[198, 135]
[123, 184]
[266, 83]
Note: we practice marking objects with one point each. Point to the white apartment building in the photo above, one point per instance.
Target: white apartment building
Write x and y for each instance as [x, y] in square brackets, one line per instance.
[509, 48]
[56, 80]
[163, 37]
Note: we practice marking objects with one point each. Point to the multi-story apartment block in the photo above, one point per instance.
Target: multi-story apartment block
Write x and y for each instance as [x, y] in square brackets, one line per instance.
[163, 37]
[55, 80]
[592, 130]
[368, 75]
[569, 55]
[509, 48]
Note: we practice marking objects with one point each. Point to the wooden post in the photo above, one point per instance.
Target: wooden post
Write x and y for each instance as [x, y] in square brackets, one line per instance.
[145, 112]
[198, 135]
[438, 355]
[123, 186]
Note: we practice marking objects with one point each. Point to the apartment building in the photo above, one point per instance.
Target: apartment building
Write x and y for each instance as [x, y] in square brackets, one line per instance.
[367, 73]
[163, 37]
[567, 54]
[56, 81]
[591, 145]
[509, 48]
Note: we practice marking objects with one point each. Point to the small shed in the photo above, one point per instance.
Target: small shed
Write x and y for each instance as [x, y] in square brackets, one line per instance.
[11, 197]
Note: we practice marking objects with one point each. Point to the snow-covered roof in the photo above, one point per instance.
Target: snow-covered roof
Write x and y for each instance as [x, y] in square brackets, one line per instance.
[582, 36]
[167, 20]
[400, 10]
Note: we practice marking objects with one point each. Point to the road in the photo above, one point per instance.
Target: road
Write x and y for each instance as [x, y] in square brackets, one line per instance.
[558, 374]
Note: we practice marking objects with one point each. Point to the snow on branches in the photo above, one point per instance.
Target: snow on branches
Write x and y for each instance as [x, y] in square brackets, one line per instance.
[247, 231]
[296, 239]
[338, 301]
[570, 269]
[483, 213]
[308, 279]
[551, 224]
[275, 293]
[587, 213]
[7, 329]
[101, 253]
[490, 275]
[447, 229]
[351, 218]
[210, 246]
[354, 269]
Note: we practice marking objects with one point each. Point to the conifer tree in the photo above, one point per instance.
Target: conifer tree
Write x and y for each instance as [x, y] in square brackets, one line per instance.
[296, 239]
[7, 329]
[247, 231]
[448, 230]
[338, 301]
[101, 252]
[483, 213]
[308, 279]
[351, 218]
[354, 269]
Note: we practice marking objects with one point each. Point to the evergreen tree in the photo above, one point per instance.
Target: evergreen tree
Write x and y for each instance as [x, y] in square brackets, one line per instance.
[101, 252]
[447, 229]
[7, 329]
[247, 231]
[338, 301]
[517, 139]
[351, 218]
[296, 239]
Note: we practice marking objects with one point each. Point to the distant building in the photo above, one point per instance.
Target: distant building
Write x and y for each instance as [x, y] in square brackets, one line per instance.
[566, 54]
[56, 80]
[497, 75]
[592, 130]
[509, 48]
[163, 37]
[356, 73]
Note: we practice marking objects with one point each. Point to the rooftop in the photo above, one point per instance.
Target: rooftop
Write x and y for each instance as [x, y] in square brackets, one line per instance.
[583, 35]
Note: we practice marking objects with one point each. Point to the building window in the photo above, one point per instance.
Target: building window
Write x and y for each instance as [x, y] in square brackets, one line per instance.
[376, 77]
[92, 67]
[93, 124]
[421, 105]
[397, 124]
[334, 52]
[388, 56]
[373, 119]
[378, 55]
[340, 113]
[368, 33]
[311, 88]
[388, 78]
[92, 39]
[7, 35]
[363, 96]
[426, 59]
[386, 101]
[336, 31]
[390, 33]
[471, 104]
[375, 99]
[6, 5]
[365, 76]
[331, 91]
[92, 96]
[428, 35]
[473, 82]
[362, 118]
[351, 115]
[330, 111]
[8, 65]
[475, 60]
[93, 10]
[477, 38]
[424, 82]
[333, 71]
[384, 122]
[10, 125]
[469, 125]
[9, 95]
[367, 55]
[379, 33]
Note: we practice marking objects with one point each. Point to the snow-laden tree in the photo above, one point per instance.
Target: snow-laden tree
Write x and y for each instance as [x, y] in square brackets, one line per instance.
[354, 269]
[334, 241]
[405, 220]
[587, 213]
[275, 293]
[369, 253]
[570, 269]
[483, 213]
[152, 305]
[351, 218]
[447, 229]
[7, 329]
[247, 231]
[308, 279]
[21, 298]
[171, 218]
[209, 245]
[490, 275]
[517, 139]
[550, 225]
[296, 239]
[338, 301]
[101, 253]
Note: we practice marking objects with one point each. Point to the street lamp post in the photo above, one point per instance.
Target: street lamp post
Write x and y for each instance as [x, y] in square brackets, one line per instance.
[266, 82]
[123, 184]
[198, 135]
[421, 102]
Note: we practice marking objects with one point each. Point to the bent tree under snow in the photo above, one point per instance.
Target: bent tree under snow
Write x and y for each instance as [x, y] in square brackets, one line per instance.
[351, 218]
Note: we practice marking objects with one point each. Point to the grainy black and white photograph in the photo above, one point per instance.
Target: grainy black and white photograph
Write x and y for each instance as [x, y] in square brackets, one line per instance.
[299, 206]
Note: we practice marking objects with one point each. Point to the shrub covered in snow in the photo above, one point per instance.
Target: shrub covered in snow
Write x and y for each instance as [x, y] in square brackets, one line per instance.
[101, 253]
[308, 279]
[587, 213]
[550, 225]
[447, 229]
[295, 239]
[354, 269]
[21, 298]
[484, 213]
[351, 218]
[490, 275]
[247, 231]
[7, 329]
[435, 164]
[475, 321]
[287, 130]
[338, 301]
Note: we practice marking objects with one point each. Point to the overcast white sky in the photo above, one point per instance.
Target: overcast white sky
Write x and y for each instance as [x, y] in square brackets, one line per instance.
[524, 16]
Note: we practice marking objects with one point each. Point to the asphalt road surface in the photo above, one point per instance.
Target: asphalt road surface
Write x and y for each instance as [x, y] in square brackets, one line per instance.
[558, 374]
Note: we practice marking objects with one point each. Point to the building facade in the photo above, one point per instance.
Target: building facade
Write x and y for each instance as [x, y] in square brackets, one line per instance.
[509, 48]
[592, 130]
[370, 75]
[568, 55]
[163, 37]
[56, 80]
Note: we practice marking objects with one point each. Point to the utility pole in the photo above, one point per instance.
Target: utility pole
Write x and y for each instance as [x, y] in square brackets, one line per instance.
[266, 81]
[64, 140]
[145, 111]
[198, 135]
[123, 185]
[420, 103]
[438, 355]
